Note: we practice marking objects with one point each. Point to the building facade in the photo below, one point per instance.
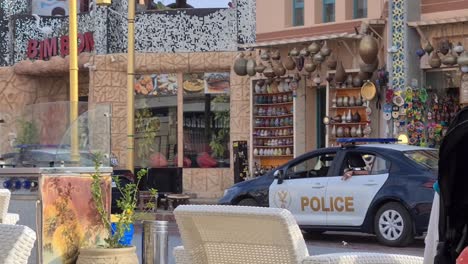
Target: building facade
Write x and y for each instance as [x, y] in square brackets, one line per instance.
[172, 48]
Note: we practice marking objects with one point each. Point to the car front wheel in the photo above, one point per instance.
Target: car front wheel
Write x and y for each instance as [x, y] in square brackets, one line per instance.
[393, 225]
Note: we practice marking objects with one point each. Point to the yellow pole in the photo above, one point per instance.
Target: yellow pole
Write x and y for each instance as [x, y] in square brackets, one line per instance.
[130, 86]
[73, 40]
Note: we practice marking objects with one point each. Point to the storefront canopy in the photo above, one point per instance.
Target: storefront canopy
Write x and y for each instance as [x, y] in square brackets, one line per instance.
[330, 36]
[423, 23]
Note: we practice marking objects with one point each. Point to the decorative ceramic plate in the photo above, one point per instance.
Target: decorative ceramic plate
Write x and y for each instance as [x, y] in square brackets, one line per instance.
[368, 91]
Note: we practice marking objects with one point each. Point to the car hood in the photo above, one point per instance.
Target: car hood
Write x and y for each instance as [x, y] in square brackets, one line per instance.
[250, 181]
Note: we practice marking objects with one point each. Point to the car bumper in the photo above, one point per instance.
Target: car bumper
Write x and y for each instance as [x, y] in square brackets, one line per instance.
[421, 214]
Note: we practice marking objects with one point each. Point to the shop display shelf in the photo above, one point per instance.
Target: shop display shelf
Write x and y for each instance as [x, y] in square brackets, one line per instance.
[273, 104]
[347, 88]
[348, 107]
[266, 94]
[277, 116]
[279, 146]
[348, 124]
[275, 137]
[280, 127]
[274, 156]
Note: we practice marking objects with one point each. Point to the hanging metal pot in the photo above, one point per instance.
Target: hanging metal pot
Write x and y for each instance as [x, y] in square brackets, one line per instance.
[420, 52]
[279, 69]
[309, 66]
[428, 48]
[368, 49]
[276, 55]
[435, 60]
[331, 62]
[304, 52]
[364, 76]
[449, 59]
[300, 63]
[444, 47]
[463, 59]
[250, 67]
[260, 68]
[289, 63]
[240, 65]
[265, 55]
[357, 81]
[318, 58]
[369, 68]
[294, 52]
[459, 48]
[325, 50]
[314, 47]
[340, 74]
[268, 72]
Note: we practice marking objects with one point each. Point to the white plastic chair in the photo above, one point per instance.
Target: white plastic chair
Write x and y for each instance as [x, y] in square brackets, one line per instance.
[5, 217]
[217, 234]
[16, 243]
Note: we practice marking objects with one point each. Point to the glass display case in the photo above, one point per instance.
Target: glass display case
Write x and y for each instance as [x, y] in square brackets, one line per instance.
[40, 136]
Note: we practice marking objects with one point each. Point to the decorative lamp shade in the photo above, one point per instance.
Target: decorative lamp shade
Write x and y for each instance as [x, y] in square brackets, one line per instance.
[103, 2]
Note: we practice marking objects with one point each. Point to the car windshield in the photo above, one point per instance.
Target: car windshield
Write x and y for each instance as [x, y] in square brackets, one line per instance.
[427, 158]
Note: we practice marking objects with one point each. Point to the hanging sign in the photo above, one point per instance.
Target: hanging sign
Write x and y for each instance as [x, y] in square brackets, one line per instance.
[47, 48]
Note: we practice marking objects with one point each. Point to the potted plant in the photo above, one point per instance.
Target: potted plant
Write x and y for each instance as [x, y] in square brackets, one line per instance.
[116, 247]
[218, 141]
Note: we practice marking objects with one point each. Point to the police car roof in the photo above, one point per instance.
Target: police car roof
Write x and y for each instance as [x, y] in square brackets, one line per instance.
[397, 147]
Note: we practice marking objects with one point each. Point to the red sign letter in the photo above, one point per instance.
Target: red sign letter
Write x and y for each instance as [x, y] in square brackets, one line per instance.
[89, 41]
[32, 48]
[81, 43]
[50, 48]
[64, 47]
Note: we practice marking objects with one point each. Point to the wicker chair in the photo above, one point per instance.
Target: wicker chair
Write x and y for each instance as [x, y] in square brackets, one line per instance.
[217, 234]
[16, 243]
[5, 217]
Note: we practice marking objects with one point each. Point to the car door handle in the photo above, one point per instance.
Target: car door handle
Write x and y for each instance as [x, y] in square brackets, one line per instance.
[371, 183]
[318, 186]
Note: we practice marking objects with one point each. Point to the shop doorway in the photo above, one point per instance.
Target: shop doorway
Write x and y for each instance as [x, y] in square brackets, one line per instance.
[321, 113]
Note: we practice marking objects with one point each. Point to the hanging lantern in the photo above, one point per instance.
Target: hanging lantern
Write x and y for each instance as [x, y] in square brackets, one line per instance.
[428, 48]
[294, 52]
[435, 60]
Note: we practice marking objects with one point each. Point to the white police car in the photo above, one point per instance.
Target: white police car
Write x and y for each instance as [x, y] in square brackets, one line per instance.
[387, 190]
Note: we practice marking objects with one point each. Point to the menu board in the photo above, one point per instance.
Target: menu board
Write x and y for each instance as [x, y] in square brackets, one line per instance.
[156, 84]
[217, 83]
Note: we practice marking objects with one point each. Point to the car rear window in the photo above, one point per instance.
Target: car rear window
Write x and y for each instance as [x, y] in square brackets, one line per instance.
[427, 158]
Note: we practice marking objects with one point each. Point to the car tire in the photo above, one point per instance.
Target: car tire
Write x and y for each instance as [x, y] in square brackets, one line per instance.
[393, 225]
[247, 202]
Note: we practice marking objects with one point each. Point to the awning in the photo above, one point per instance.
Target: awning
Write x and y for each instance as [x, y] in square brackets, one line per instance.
[301, 40]
[329, 36]
[438, 21]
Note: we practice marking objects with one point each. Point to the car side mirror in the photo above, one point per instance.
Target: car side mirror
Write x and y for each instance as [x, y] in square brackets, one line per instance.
[279, 175]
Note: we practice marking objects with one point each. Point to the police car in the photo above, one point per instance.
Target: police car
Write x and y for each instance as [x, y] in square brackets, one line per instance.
[383, 189]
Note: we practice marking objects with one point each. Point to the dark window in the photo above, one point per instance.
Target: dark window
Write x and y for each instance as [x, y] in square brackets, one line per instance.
[365, 164]
[328, 11]
[298, 12]
[156, 120]
[206, 120]
[315, 166]
[360, 9]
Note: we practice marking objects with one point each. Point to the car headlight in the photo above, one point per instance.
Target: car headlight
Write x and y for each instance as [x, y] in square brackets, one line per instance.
[227, 191]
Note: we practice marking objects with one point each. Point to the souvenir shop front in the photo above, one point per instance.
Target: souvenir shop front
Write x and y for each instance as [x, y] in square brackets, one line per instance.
[428, 106]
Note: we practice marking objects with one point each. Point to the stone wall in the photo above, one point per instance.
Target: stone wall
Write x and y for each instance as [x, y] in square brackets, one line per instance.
[19, 91]
[108, 85]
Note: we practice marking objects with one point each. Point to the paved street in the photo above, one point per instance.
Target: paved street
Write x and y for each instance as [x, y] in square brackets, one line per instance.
[330, 242]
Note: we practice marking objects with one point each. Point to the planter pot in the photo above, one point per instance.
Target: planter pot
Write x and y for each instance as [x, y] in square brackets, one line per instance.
[108, 255]
[126, 240]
